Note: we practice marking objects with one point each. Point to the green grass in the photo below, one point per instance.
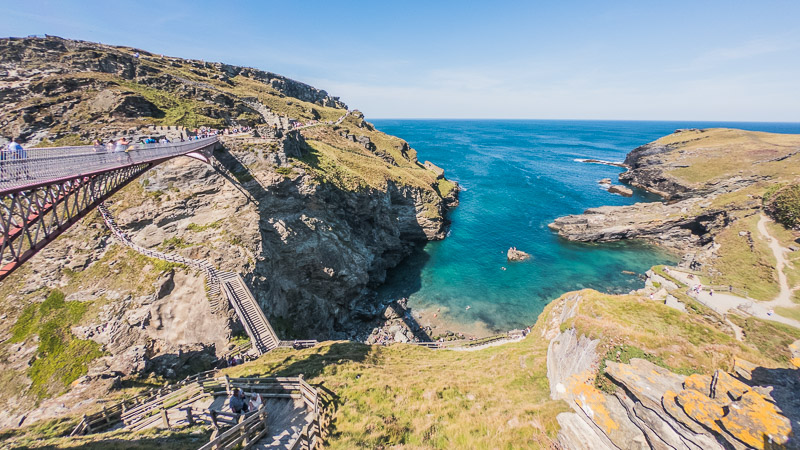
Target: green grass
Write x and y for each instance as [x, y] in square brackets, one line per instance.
[60, 357]
[199, 228]
[408, 396]
[623, 353]
[175, 242]
[791, 313]
[64, 141]
[285, 171]
[743, 267]
[784, 204]
[177, 110]
[771, 338]
[694, 342]
[54, 433]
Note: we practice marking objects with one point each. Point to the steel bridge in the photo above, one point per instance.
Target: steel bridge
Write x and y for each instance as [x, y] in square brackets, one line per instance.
[43, 191]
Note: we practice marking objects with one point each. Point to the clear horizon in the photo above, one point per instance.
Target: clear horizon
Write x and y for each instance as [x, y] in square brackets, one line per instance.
[718, 61]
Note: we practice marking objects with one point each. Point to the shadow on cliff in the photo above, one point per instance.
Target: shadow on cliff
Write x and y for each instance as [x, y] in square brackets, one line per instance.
[784, 385]
[347, 207]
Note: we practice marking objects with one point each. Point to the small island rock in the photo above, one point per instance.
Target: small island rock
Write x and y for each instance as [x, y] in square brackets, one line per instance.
[605, 181]
[517, 255]
[621, 190]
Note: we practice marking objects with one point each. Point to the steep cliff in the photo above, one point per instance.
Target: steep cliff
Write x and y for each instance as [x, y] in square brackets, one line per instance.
[311, 218]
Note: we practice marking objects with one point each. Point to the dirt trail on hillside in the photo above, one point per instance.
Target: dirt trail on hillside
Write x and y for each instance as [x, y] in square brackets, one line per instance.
[784, 298]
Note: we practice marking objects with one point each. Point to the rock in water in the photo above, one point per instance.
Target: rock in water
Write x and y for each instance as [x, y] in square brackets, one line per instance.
[515, 255]
[605, 181]
[621, 190]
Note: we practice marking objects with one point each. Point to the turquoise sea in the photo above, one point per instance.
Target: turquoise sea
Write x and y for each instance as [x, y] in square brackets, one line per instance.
[517, 176]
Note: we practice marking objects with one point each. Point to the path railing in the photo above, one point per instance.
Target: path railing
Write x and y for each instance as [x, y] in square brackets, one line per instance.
[472, 343]
[33, 166]
[149, 408]
[221, 285]
[211, 274]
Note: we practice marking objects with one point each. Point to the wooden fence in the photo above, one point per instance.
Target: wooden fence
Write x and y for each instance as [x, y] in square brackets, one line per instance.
[468, 343]
[152, 407]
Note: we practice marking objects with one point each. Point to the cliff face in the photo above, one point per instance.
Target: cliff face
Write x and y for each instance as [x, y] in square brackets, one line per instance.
[312, 219]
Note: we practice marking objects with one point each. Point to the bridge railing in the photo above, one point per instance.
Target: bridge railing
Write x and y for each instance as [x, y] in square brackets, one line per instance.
[35, 165]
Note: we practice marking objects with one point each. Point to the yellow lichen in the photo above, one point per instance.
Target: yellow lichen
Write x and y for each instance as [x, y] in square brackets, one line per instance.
[702, 409]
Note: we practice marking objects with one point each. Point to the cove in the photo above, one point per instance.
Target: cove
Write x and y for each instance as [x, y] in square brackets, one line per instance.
[517, 176]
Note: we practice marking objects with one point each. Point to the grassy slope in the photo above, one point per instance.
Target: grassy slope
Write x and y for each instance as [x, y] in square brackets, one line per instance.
[719, 154]
[406, 395]
[497, 397]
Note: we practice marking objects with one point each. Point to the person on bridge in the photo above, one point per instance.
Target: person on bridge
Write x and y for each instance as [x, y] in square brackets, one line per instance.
[15, 152]
[122, 144]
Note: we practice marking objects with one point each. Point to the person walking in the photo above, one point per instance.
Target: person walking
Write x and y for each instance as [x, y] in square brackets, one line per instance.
[15, 152]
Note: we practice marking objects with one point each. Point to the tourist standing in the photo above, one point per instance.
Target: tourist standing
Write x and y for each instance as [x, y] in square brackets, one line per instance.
[15, 152]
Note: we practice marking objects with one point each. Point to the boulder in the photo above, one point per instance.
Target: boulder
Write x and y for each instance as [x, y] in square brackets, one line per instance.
[515, 255]
[605, 181]
[621, 190]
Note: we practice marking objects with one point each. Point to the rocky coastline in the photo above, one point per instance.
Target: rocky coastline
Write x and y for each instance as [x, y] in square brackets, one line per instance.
[311, 232]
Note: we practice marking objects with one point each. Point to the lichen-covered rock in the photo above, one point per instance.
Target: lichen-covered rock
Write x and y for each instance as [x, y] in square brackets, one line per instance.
[701, 409]
[756, 422]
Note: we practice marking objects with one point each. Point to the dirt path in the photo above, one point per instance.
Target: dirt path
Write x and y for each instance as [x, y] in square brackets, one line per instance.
[784, 298]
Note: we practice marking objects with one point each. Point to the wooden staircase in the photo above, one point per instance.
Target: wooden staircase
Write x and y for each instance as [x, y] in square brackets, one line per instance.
[250, 313]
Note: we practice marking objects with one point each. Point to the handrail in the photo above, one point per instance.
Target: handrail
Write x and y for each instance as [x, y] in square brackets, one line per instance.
[467, 343]
[212, 278]
[36, 166]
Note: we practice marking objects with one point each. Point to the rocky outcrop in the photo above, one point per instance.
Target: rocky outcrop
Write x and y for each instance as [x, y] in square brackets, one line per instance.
[654, 408]
[669, 224]
[310, 249]
[620, 190]
[53, 87]
[699, 172]
[515, 255]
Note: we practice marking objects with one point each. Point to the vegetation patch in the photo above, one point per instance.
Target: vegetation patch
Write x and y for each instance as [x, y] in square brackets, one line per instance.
[771, 338]
[745, 262]
[175, 242]
[622, 353]
[784, 205]
[69, 140]
[209, 226]
[404, 395]
[61, 358]
[686, 343]
[285, 171]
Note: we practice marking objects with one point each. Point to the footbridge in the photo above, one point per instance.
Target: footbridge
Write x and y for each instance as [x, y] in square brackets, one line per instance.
[44, 191]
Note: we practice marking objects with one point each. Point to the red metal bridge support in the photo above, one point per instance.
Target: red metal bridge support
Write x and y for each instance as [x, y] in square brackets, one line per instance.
[34, 212]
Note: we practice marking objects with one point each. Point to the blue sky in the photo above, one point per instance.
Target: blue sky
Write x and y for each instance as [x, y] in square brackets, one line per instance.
[648, 60]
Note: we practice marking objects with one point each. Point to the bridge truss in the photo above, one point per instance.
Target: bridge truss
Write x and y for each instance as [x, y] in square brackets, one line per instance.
[45, 191]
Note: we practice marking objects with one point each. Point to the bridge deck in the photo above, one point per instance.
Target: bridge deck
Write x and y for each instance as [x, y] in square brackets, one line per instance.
[39, 166]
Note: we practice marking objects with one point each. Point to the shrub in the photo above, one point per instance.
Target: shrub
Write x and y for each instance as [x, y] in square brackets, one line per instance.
[784, 205]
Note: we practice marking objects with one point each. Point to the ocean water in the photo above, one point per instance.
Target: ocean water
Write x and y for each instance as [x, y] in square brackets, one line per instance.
[517, 176]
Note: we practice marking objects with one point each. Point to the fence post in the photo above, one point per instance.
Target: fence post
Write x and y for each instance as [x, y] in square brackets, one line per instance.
[88, 427]
[165, 417]
[189, 415]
